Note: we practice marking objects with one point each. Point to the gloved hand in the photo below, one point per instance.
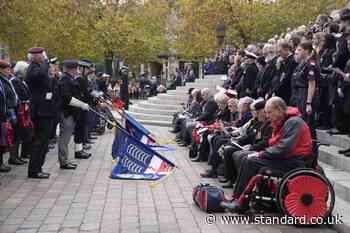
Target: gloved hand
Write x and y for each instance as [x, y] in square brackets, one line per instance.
[85, 107]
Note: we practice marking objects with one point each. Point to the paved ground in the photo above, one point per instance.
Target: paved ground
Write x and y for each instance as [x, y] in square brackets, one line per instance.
[86, 200]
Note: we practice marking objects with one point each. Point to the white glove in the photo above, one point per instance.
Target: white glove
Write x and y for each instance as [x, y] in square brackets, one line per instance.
[78, 104]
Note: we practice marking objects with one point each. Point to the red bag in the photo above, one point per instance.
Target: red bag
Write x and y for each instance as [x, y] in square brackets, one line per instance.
[24, 116]
[6, 135]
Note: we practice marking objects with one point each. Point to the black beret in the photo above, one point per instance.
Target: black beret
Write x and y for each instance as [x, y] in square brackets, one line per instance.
[36, 50]
[345, 14]
[70, 64]
[259, 104]
[4, 64]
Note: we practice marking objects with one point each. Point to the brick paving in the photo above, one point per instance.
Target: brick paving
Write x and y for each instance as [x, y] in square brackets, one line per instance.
[86, 200]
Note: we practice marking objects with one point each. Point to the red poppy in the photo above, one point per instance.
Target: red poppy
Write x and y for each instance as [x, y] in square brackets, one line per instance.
[307, 197]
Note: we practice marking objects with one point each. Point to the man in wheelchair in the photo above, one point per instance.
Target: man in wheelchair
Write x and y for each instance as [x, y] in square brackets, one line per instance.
[289, 147]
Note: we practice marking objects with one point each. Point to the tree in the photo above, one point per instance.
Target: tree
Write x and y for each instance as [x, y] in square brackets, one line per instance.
[132, 29]
[246, 21]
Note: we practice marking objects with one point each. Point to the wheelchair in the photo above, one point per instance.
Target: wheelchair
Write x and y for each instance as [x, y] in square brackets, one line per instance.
[301, 193]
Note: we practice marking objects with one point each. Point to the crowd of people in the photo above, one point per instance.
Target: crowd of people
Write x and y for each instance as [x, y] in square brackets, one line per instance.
[266, 114]
[38, 96]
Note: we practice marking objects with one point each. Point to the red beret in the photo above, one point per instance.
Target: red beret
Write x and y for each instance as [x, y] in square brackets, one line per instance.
[4, 64]
[36, 50]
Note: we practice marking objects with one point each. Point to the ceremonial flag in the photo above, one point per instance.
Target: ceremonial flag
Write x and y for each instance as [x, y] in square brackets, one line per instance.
[137, 161]
[137, 130]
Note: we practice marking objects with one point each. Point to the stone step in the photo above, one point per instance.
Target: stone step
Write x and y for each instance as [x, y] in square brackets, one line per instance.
[178, 91]
[342, 209]
[215, 76]
[340, 180]
[208, 82]
[330, 156]
[138, 109]
[341, 185]
[155, 123]
[172, 97]
[171, 107]
[151, 117]
[342, 141]
[157, 100]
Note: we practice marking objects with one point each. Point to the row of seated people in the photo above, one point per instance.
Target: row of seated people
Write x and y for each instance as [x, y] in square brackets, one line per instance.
[237, 138]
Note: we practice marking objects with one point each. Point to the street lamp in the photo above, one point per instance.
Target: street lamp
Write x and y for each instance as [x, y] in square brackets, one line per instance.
[220, 33]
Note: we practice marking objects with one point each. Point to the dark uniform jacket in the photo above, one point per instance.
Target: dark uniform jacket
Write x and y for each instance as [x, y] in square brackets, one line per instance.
[264, 78]
[224, 115]
[11, 96]
[281, 82]
[246, 85]
[83, 83]
[21, 89]
[101, 86]
[208, 111]
[262, 137]
[342, 53]
[40, 86]
[68, 88]
[3, 108]
[238, 72]
[345, 87]
[304, 73]
[195, 109]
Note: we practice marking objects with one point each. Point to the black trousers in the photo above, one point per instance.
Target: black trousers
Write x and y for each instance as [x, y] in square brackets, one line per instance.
[324, 111]
[341, 119]
[56, 120]
[81, 128]
[251, 166]
[217, 142]
[42, 131]
[232, 161]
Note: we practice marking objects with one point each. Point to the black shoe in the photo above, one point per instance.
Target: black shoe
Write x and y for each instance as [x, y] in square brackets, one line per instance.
[15, 162]
[4, 168]
[87, 147]
[39, 175]
[24, 161]
[196, 159]
[347, 154]
[344, 151]
[82, 155]
[68, 166]
[223, 180]
[184, 144]
[73, 164]
[173, 131]
[209, 174]
[25, 156]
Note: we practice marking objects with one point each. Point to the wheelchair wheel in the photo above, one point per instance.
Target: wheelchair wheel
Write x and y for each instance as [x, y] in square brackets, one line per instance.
[306, 195]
